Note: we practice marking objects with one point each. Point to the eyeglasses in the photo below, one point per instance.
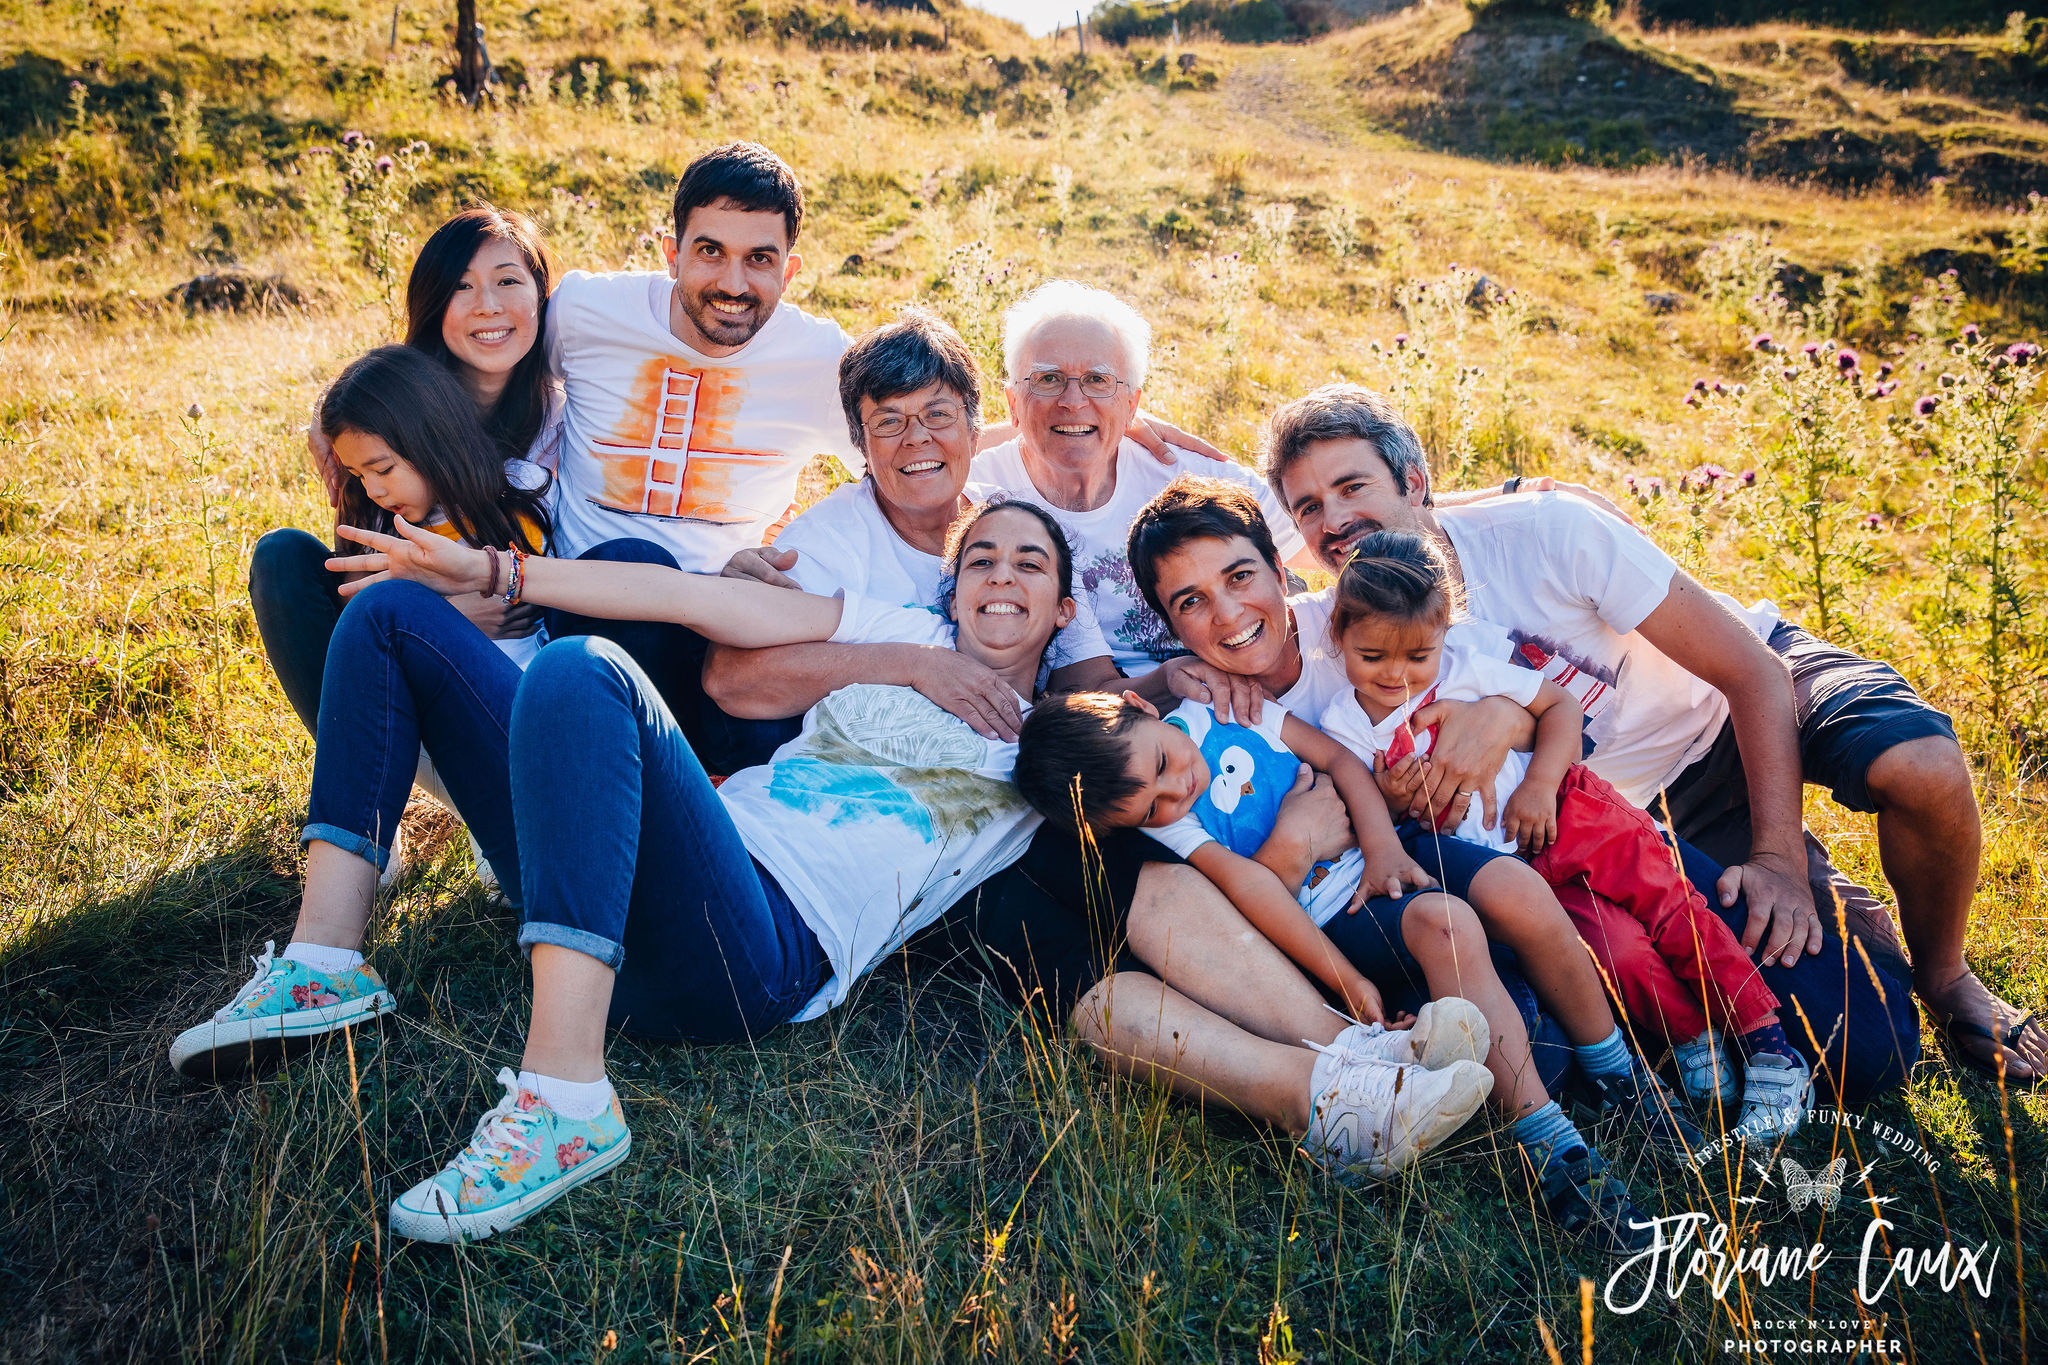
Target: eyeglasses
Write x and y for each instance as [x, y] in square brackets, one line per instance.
[938, 417]
[1053, 383]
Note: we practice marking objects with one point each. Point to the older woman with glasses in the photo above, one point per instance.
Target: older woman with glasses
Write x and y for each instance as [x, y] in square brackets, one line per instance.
[912, 397]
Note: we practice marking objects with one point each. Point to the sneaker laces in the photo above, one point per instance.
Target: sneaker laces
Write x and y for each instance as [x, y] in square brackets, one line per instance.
[265, 963]
[503, 1128]
[1367, 1083]
[1344, 1053]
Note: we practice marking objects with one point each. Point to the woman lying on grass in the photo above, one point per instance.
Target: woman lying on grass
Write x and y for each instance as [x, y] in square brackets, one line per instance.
[657, 902]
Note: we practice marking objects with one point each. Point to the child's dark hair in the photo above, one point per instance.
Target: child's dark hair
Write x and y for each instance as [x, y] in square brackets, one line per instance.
[1072, 758]
[1193, 508]
[410, 402]
[1056, 536]
[1398, 574]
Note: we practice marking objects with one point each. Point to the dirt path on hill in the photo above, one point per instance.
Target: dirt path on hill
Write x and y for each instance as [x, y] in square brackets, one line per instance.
[1271, 89]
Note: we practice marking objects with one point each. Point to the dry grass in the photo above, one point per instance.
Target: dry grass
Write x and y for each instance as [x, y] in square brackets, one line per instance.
[922, 1175]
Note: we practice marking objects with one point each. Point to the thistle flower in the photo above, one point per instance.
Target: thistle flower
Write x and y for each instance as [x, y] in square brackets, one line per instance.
[1749, 478]
[351, 137]
[1811, 350]
[1970, 331]
[2023, 352]
[1872, 522]
[1761, 342]
[384, 163]
[1400, 340]
[1846, 361]
[1925, 405]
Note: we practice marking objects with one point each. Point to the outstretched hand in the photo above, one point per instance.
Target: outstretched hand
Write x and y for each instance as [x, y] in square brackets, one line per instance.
[447, 566]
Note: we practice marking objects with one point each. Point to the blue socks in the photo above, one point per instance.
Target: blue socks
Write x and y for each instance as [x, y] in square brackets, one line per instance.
[1608, 1057]
[1770, 1038]
[1546, 1131]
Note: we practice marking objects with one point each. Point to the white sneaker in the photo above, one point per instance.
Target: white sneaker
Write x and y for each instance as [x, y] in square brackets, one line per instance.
[1775, 1093]
[1705, 1071]
[1373, 1118]
[1448, 1030]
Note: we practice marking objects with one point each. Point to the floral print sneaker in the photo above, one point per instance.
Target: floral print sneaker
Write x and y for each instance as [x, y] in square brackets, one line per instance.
[283, 1003]
[523, 1157]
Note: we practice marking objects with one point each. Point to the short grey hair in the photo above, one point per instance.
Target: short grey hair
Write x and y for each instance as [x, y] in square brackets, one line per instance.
[1340, 412]
[1061, 300]
[917, 350]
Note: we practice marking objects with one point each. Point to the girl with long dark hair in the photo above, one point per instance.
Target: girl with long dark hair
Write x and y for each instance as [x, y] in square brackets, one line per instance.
[476, 302]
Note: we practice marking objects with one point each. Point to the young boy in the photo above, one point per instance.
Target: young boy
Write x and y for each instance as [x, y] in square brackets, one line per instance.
[1211, 790]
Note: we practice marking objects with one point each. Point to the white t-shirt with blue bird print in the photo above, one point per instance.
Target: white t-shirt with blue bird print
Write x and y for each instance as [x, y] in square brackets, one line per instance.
[1251, 770]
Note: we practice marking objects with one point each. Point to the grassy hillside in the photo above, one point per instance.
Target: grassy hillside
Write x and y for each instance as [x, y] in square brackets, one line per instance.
[923, 1175]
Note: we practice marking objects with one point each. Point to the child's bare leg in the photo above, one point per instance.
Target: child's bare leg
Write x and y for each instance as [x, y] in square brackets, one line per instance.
[334, 909]
[1519, 910]
[1445, 937]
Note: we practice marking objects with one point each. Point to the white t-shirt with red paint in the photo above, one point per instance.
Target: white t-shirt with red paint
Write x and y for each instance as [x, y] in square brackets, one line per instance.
[699, 454]
[1570, 584]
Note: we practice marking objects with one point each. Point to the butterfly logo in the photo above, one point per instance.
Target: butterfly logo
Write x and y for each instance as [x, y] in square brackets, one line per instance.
[1823, 1187]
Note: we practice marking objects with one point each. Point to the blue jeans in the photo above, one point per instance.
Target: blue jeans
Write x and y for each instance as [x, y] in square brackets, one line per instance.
[672, 656]
[297, 604]
[628, 855]
[404, 668]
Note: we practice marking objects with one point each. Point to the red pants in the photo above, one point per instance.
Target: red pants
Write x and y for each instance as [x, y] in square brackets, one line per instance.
[1672, 961]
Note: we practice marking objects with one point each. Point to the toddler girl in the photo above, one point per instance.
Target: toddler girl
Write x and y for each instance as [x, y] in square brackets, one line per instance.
[1391, 619]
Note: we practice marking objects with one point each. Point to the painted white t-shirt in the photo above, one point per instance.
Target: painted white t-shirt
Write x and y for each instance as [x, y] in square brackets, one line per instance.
[698, 454]
[1138, 640]
[882, 812]
[1464, 673]
[1570, 584]
[843, 540]
[1251, 770]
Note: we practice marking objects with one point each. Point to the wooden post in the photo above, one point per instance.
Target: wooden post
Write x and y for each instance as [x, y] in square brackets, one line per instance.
[469, 65]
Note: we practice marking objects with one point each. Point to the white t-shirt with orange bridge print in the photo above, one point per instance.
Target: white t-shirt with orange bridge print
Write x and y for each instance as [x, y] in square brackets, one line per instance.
[699, 454]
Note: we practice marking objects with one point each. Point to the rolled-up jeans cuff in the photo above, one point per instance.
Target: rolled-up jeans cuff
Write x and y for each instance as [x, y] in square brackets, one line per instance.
[348, 841]
[583, 941]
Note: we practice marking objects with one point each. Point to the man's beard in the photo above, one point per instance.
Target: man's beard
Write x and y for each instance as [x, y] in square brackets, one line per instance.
[718, 328]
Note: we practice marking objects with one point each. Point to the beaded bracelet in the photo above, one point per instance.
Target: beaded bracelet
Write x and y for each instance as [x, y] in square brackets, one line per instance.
[492, 590]
[518, 576]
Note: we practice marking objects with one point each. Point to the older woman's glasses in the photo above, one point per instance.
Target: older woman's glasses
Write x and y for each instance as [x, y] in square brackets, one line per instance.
[890, 425]
[1053, 383]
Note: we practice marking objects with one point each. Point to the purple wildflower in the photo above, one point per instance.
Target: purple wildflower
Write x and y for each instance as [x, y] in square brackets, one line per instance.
[1749, 478]
[1400, 340]
[1811, 348]
[2023, 352]
[1846, 360]
[1926, 405]
[1873, 521]
[1762, 342]
[384, 163]
[351, 138]
[1970, 331]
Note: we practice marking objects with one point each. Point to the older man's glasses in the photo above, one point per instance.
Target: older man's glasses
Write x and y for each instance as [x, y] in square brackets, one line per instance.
[1053, 383]
[938, 417]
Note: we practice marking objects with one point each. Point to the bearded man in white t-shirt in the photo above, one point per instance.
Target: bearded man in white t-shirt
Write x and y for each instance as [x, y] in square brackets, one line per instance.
[1710, 713]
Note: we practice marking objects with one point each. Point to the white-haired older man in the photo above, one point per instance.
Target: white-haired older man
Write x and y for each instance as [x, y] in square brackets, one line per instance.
[1077, 358]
